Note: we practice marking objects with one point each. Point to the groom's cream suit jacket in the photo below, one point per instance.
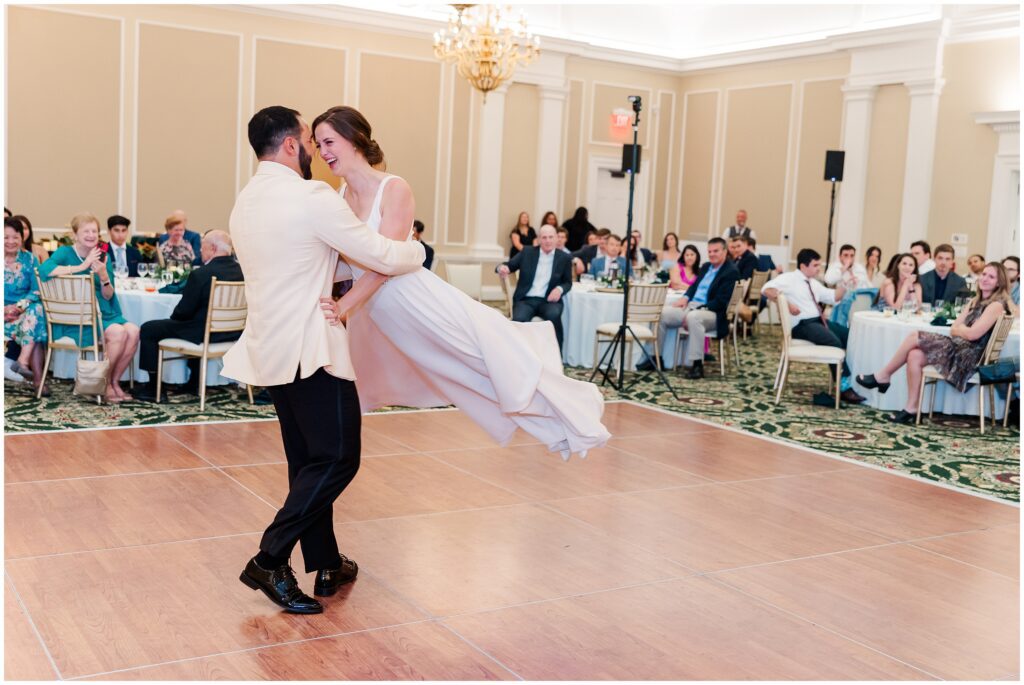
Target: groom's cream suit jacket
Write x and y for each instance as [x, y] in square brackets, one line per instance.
[287, 233]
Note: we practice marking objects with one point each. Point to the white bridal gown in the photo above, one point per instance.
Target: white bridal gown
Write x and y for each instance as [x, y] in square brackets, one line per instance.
[421, 342]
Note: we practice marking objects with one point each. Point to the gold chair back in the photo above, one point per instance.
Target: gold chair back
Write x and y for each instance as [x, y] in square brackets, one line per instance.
[69, 301]
[228, 307]
[738, 291]
[646, 303]
[996, 342]
[757, 281]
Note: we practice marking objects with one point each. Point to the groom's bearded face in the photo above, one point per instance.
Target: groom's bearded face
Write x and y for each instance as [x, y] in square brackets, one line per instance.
[305, 163]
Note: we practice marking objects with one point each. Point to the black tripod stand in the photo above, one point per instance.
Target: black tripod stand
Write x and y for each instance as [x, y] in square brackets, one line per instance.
[619, 341]
[831, 211]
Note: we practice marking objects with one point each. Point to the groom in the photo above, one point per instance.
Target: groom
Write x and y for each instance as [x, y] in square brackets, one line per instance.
[288, 232]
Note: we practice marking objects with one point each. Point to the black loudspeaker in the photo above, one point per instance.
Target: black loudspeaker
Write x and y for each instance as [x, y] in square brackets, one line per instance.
[627, 158]
[834, 165]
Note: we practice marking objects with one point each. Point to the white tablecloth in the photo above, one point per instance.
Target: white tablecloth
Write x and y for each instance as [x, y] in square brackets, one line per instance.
[138, 307]
[586, 309]
[873, 340]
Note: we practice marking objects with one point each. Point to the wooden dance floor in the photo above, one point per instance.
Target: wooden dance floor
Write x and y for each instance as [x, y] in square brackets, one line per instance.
[682, 551]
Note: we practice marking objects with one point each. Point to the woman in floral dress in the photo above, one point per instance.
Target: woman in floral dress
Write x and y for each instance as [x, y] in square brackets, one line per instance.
[24, 322]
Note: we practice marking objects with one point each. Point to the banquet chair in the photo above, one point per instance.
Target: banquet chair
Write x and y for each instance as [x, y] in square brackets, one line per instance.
[931, 376]
[753, 300]
[508, 286]
[69, 301]
[226, 314]
[1009, 399]
[732, 314]
[466, 277]
[803, 353]
[645, 305]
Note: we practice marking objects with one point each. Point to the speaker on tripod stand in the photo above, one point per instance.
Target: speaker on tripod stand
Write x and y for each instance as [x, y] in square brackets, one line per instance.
[834, 161]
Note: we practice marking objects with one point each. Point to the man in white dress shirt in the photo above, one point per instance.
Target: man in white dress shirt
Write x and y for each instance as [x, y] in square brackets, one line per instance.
[287, 232]
[545, 277]
[847, 270]
[922, 252]
[805, 295]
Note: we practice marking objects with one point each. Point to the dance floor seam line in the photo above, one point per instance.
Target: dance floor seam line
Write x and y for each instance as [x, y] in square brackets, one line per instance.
[821, 626]
[961, 561]
[822, 453]
[32, 624]
[246, 650]
[142, 545]
[110, 475]
[479, 649]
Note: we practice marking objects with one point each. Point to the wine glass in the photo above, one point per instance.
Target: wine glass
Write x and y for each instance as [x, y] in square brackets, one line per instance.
[166, 276]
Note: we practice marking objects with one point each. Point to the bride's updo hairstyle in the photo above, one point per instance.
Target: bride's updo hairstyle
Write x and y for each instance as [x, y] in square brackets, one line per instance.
[353, 127]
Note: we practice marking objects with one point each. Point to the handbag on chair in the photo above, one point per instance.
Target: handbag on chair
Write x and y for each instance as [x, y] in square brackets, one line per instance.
[90, 374]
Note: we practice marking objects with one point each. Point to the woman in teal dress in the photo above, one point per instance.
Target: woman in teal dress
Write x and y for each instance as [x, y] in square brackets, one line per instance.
[120, 338]
[24, 322]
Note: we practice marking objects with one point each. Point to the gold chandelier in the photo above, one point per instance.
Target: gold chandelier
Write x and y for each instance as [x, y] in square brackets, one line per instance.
[485, 45]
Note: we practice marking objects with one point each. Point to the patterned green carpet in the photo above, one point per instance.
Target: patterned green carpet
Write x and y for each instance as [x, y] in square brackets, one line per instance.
[949, 450]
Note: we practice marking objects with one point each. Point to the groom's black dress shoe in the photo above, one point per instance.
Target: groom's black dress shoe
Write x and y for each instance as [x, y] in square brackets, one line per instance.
[280, 586]
[146, 392]
[329, 580]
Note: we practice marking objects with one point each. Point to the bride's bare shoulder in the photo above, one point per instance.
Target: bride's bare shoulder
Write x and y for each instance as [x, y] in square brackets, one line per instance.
[397, 192]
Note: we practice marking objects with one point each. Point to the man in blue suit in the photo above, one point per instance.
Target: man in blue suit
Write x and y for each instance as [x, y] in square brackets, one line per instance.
[192, 237]
[545, 277]
[122, 254]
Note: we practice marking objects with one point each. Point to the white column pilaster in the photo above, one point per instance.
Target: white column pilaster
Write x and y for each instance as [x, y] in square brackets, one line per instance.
[858, 101]
[485, 227]
[917, 177]
[549, 149]
[1003, 215]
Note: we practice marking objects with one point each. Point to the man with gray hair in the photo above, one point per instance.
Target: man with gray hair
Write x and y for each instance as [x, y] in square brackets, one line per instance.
[188, 320]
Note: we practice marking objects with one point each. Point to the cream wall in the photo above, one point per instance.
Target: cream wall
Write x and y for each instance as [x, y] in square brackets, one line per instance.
[980, 77]
[170, 88]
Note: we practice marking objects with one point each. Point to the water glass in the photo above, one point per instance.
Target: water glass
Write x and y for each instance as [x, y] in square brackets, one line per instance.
[926, 308]
[167, 277]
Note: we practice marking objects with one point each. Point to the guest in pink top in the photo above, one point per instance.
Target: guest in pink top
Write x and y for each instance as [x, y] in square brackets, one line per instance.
[684, 273]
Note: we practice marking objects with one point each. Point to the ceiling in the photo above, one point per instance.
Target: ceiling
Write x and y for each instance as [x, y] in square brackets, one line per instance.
[691, 31]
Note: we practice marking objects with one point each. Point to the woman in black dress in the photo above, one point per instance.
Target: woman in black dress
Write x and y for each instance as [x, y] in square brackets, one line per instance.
[955, 356]
[522, 235]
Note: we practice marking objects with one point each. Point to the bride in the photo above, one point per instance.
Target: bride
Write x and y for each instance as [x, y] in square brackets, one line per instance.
[418, 341]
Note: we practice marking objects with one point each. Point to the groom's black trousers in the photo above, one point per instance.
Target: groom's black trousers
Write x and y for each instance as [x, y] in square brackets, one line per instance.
[320, 422]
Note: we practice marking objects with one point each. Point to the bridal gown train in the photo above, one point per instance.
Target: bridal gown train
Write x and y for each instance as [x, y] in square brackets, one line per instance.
[421, 342]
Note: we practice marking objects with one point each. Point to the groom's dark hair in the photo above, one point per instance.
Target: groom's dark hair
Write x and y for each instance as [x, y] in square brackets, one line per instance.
[270, 126]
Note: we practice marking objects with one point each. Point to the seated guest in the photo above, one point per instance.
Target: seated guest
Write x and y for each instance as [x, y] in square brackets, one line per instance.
[176, 248]
[592, 238]
[546, 277]
[686, 270]
[922, 252]
[806, 295]
[582, 257]
[193, 238]
[740, 228]
[957, 355]
[24, 321]
[563, 237]
[188, 320]
[702, 308]
[418, 229]
[942, 284]
[975, 265]
[123, 255]
[873, 266]
[1012, 266]
[669, 255]
[847, 270]
[640, 256]
[764, 261]
[29, 241]
[522, 235]
[611, 260]
[120, 338]
[900, 285]
[551, 219]
[742, 258]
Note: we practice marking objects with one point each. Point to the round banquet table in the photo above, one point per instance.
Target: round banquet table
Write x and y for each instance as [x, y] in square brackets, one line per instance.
[873, 340]
[585, 309]
[138, 307]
